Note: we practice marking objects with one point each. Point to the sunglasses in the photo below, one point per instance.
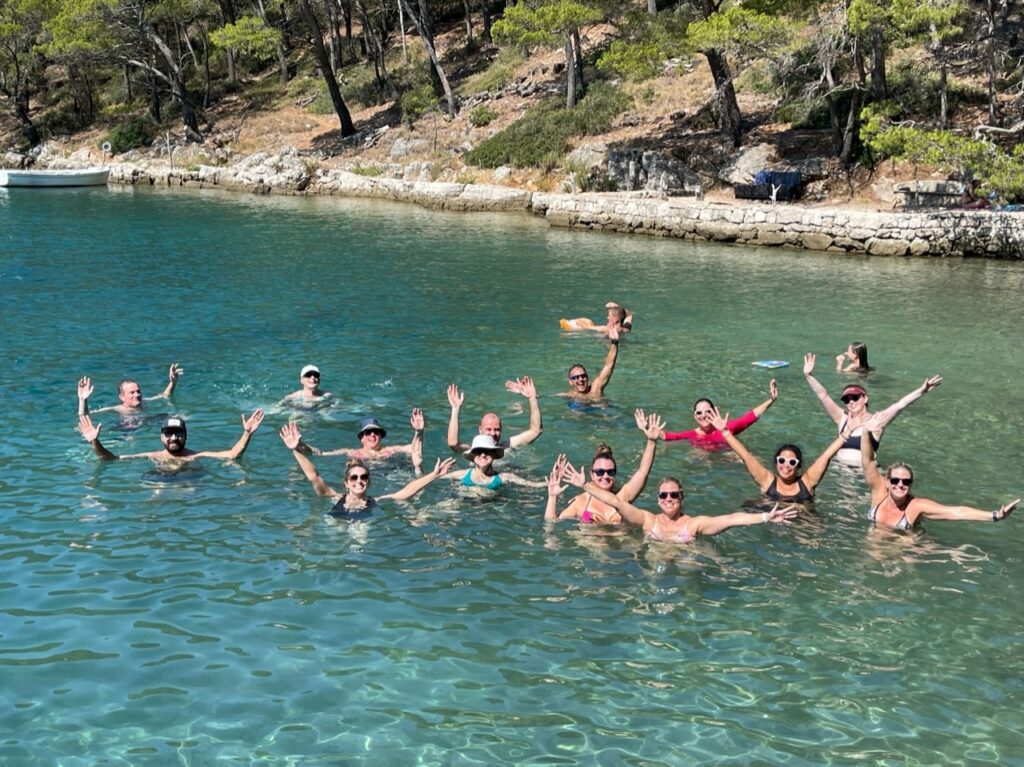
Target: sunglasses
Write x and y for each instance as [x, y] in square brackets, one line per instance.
[602, 472]
[173, 433]
[787, 461]
[703, 412]
[358, 477]
[490, 453]
[894, 481]
[674, 494]
[372, 431]
[848, 398]
[312, 375]
[579, 377]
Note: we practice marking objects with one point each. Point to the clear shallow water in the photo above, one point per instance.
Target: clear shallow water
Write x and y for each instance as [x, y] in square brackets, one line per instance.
[221, 619]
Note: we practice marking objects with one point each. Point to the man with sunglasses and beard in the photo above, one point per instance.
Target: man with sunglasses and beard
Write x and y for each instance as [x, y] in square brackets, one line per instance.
[309, 393]
[173, 436]
[856, 414]
[581, 387]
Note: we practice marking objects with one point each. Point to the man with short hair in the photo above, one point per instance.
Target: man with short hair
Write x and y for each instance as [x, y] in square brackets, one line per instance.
[490, 423]
[309, 391]
[173, 435]
[128, 392]
[371, 434]
[581, 388]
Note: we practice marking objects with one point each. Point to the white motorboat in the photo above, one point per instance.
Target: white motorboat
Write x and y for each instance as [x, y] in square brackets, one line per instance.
[70, 177]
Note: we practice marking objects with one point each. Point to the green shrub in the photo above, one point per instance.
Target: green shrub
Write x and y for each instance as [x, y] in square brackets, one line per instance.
[481, 116]
[136, 132]
[500, 73]
[416, 102]
[370, 171]
[598, 108]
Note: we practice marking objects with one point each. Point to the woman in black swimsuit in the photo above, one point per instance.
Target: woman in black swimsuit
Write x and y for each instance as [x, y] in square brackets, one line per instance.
[786, 484]
[355, 499]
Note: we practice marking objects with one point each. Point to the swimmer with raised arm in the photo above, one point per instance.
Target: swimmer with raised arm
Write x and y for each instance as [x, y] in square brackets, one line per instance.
[893, 505]
[854, 359]
[585, 507]
[482, 454]
[581, 388]
[371, 434]
[618, 317]
[173, 436]
[672, 525]
[356, 499]
[309, 392]
[490, 423]
[706, 435]
[855, 397]
[128, 392]
[786, 484]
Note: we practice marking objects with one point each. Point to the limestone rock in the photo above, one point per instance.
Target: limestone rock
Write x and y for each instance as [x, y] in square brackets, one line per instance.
[748, 162]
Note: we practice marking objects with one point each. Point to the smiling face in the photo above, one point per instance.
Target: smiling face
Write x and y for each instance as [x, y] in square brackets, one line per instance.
[670, 498]
[602, 473]
[579, 381]
[357, 480]
[310, 381]
[174, 440]
[130, 394]
[490, 425]
[702, 414]
[483, 460]
[371, 439]
[856, 401]
[900, 479]
[787, 465]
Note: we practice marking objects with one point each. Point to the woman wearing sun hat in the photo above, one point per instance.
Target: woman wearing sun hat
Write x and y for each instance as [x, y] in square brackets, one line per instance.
[855, 398]
[482, 454]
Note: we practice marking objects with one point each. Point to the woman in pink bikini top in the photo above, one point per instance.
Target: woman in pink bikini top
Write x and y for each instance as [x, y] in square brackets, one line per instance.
[672, 525]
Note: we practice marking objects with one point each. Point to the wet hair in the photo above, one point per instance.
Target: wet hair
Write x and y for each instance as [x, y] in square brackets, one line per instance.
[791, 448]
[355, 463]
[603, 451]
[577, 365]
[619, 313]
[703, 399]
[673, 480]
[860, 349]
[899, 465]
[120, 386]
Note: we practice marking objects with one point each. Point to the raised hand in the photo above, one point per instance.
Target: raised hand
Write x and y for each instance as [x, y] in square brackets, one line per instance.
[523, 386]
[85, 388]
[840, 359]
[641, 419]
[575, 477]
[174, 373]
[809, 359]
[1004, 511]
[654, 428]
[779, 516]
[773, 390]
[417, 419]
[455, 397]
[442, 467]
[930, 383]
[89, 432]
[555, 486]
[252, 423]
[291, 436]
[717, 420]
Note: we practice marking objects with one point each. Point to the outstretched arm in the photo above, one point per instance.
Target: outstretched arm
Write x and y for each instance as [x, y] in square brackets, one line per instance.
[455, 399]
[85, 390]
[881, 419]
[716, 525]
[761, 476]
[525, 387]
[653, 428]
[91, 434]
[773, 394]
[440, 469]
[932, 510]
[874, 478]
[597, 387]
[292, 439]
[817, 470]
[834, 411]
[249, 427]
[512, 478]
[173, 374]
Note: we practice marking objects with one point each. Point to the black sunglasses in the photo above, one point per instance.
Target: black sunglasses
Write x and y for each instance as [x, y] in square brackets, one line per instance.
[894, 481]
[173, 432]
[676, 494]
[578, 377]
[358, 477]
[602, 472]
[312, 375]
[848, 398]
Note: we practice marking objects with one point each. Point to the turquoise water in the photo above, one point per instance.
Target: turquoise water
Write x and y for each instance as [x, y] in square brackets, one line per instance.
[221, 619]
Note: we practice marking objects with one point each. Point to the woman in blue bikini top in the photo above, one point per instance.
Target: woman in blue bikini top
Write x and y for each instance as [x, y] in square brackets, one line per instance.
[482, 453]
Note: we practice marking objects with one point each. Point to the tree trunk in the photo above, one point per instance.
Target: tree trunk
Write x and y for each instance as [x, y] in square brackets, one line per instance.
[334, 34]
[469, 22]
[851, 132]
[125, 72]
[423, 28]
[176, 80]
[570, 75]
[879, 84]
[24, 117]
[348, 128]
[577, 60]
[652, 7]
[485, 15]
[731, 124]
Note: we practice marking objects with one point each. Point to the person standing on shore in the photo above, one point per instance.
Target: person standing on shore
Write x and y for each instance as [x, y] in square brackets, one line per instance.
[490, 423]
[128, 392]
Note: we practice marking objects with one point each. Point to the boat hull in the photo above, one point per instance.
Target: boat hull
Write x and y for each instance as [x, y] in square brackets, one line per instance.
[50, 178]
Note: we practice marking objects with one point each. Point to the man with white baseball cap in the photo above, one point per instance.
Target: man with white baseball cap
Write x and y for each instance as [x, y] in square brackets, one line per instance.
[309, 394]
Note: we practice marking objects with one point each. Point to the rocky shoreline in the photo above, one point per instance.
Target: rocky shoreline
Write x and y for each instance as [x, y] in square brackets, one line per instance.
[934, 232]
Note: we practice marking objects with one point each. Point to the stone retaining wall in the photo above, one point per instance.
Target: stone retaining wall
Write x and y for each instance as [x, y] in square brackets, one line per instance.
[918, 233]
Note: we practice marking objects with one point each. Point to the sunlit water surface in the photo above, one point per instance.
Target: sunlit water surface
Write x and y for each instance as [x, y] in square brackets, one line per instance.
[221, 618]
